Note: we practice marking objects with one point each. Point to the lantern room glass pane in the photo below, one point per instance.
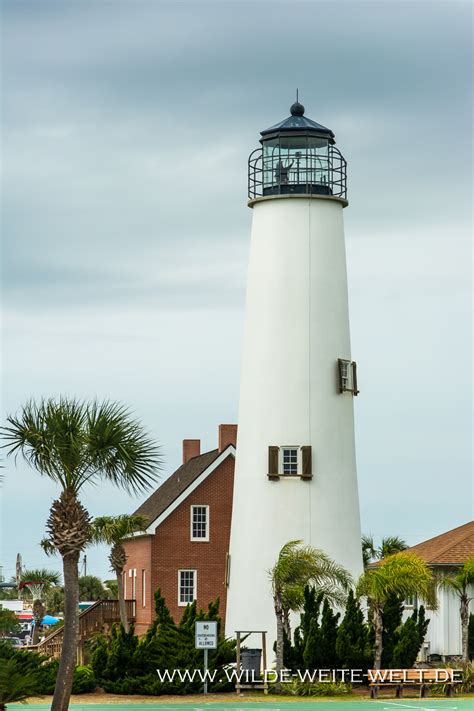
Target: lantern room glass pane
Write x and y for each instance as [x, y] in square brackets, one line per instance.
[296, 164]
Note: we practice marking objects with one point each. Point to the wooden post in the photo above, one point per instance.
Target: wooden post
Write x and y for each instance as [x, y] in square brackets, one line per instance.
[237, 684]
[264, 657]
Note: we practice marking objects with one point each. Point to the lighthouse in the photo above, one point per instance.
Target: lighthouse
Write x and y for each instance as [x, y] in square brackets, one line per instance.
[295, 475]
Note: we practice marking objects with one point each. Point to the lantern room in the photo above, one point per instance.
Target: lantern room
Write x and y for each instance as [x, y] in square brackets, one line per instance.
[297, 157]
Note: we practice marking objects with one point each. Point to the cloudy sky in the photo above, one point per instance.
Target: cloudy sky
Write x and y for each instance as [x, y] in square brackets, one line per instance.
[126, 128]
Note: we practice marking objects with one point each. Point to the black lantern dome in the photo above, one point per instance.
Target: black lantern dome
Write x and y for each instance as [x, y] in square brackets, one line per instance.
[297, 156]
[299, 122]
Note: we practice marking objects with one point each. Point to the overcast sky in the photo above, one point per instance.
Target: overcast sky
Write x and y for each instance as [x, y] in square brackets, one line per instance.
[126, 128]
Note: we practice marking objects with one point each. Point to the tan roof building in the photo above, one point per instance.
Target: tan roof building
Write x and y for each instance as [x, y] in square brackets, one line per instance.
[443, 553]
[450, 548]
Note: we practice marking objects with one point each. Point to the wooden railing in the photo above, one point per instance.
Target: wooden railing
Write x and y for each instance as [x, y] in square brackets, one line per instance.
[96, 618]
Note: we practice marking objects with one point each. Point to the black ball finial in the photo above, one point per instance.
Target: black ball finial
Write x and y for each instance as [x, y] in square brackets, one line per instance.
[297, 109]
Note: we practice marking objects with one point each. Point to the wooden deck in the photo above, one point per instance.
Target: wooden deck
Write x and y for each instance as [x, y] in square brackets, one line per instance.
[99, 617]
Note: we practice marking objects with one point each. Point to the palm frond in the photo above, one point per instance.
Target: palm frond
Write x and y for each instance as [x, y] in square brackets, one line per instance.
[74, 442]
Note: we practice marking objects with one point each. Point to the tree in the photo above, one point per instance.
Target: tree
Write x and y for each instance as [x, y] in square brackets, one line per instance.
[8, 623]
[112, 588]
[391, 624]
[75, 443]
[320, 647]
[459, 584]
[91, 588]
[114, 530]
[15, 685]
[402, 574]
[388, 546]
[352, 645]
[296, 567]
[471, 636]
[410, 638]
[37, 582]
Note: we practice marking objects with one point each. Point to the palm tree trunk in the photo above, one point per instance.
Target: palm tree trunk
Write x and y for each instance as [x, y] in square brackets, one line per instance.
[465, 629]
[38, 614]
[67, 663]
[378, 628]
[279, 640]
[121, 598]
[286, 623]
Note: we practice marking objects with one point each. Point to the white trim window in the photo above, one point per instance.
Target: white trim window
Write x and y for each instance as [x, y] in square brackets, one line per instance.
[200, 522]
[143, 588]
[290, 461]
[187, 587]
[347, 376]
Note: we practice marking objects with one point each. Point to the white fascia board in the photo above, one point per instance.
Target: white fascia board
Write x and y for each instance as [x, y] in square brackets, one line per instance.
[230, 450]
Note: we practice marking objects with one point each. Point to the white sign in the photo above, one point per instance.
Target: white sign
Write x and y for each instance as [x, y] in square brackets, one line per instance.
[206, 635]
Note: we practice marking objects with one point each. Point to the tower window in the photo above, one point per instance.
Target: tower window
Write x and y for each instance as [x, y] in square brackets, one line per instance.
[187, 580]
[200, 523]
[289, 461]
[347, 370]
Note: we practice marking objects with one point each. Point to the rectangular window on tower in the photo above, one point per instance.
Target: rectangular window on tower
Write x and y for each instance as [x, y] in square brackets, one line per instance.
[289, 461]
[186, 587]
[200, 523]
[347, 372]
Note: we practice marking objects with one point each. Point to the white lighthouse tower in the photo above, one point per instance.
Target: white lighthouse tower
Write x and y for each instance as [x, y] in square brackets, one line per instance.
[295, 474]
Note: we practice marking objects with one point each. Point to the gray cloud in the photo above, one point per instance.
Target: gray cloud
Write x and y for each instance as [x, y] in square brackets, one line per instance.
[125, 133]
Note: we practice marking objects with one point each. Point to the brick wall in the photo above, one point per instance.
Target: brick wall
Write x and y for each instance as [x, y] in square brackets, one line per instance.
[138, 551]
[171, 549]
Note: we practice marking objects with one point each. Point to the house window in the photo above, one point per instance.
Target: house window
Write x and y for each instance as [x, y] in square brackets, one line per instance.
[289, 461]
[143, 588]
[347, 370]
[186, 587]
[410, 601]
[200, 523]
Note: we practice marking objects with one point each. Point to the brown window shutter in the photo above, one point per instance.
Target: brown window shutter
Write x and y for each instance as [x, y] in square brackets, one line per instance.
[273, 462]
[354, 378]
[339, 370]
[307, 472]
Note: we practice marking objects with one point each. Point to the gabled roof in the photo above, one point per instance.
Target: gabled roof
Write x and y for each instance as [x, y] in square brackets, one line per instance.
[175, 486]
[452, 547]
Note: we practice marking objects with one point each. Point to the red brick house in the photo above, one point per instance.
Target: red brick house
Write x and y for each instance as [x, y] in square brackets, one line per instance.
[185, 548]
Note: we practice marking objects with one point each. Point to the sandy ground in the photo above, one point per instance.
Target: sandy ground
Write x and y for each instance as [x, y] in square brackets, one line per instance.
[191, 699]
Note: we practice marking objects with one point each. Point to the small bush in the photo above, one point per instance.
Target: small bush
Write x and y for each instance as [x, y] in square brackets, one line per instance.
[306, 688]
[84, 680]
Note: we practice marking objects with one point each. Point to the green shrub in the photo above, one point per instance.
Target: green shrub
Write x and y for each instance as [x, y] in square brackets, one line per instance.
[84, 680]
[44, 671]
[124, 664]
[306, 688]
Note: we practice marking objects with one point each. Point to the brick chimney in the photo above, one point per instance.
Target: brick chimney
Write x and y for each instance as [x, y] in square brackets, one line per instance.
[227, 435]
[191, 448]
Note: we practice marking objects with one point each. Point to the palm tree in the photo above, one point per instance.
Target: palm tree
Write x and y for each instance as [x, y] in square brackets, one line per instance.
[15, 684]
[38, 581]
[75, 443]
[401, 574]
[460, 584]
[296, 567]
[114, 530]
[388, 546]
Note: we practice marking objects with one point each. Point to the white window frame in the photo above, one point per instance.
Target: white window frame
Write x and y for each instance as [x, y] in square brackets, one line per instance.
[143, 587]
[411, 602]
[350, 384]
[199, 539]
[187, 570]
[299, 461]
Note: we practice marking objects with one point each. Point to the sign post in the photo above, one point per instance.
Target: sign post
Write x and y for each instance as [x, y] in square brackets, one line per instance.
[206, 639]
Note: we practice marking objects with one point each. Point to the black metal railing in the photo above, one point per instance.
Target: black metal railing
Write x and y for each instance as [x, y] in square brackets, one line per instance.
[298, 173]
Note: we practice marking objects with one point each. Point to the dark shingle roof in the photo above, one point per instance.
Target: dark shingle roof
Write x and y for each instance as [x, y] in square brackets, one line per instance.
[174, 486]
